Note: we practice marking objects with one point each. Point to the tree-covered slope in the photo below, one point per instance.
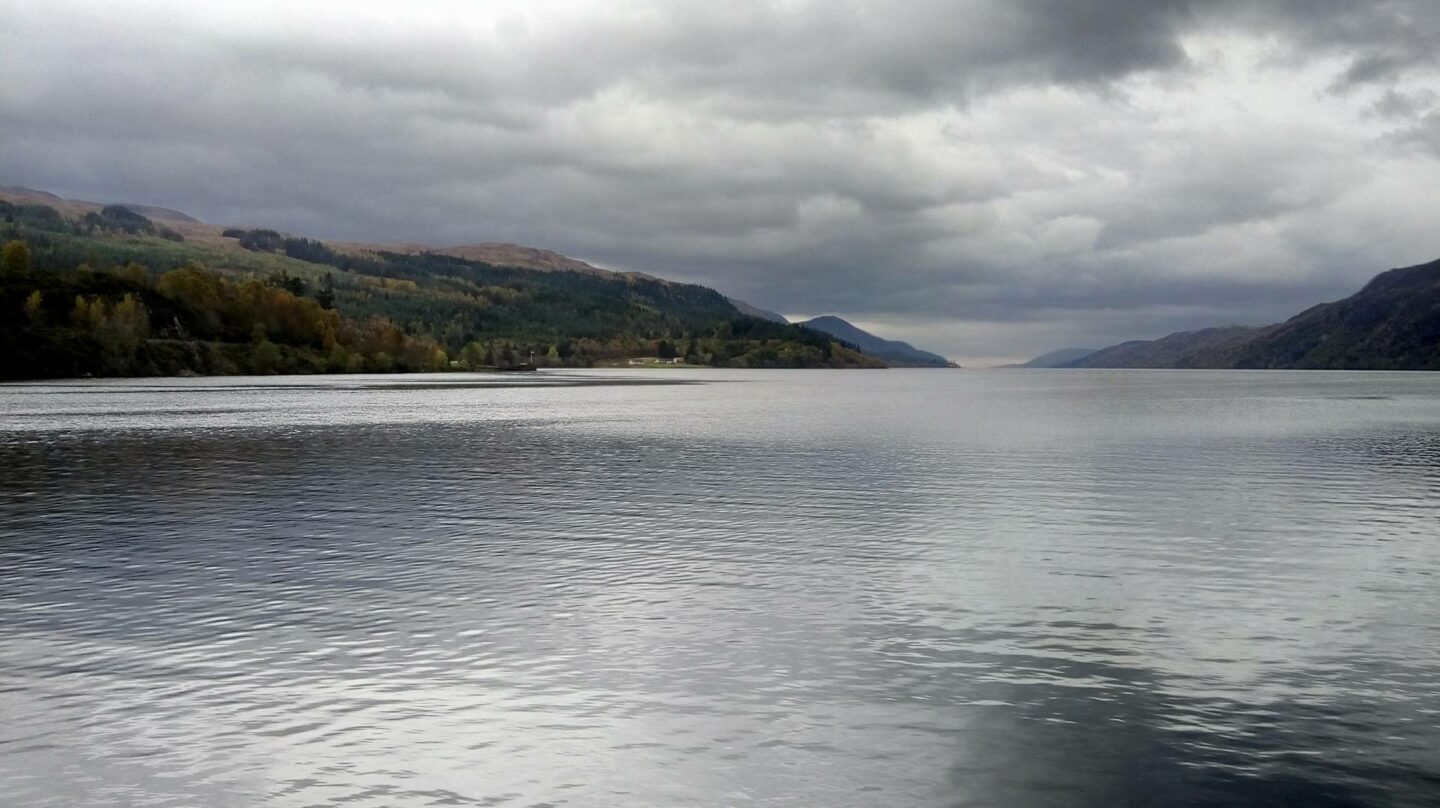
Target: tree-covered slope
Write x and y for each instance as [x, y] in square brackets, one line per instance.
[1393, 323]
[474, 313]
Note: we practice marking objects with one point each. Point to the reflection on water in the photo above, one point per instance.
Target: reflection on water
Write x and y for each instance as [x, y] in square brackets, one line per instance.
[814, 588]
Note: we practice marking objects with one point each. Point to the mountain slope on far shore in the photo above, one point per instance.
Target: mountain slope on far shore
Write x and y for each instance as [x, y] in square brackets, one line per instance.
[894, 352]
[1054, 359]
[1208, 347]
[1393, 323]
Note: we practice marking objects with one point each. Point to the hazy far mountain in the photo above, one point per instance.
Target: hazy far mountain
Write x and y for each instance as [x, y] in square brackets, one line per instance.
[1184, 349]
[1054, 359]
[894, 352]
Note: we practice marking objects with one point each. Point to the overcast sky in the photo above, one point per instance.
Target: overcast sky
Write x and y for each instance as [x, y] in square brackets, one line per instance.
[989, 179]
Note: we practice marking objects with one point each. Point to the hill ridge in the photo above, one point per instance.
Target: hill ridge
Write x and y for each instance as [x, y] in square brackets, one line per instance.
[1391, 323]
[398, 310]
[894, 352]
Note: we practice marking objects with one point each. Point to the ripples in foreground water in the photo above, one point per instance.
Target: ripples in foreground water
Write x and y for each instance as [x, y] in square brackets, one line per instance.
[904, 588]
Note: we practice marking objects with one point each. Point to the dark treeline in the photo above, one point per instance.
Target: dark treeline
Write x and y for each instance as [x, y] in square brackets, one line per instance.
[36, 217]
[128, 321]
[110, 220]
[118, 218]
[147, 305]
[301, 249]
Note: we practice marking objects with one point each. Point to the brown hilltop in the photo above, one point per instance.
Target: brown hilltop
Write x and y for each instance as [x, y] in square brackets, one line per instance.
[490, 252]
[188, 226]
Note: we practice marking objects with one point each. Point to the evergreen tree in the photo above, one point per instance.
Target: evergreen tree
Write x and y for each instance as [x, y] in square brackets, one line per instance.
[326, 296]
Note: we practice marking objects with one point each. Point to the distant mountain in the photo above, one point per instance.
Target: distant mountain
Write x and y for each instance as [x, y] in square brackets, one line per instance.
[1055, 359]
[899, 354]
[1393, 323]
[755, 311]
[1184, 349]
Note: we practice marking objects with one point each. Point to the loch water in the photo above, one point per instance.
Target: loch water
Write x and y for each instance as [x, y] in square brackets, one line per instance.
[722, 588]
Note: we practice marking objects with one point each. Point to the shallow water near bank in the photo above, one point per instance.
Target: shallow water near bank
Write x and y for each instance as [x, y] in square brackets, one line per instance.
[810, 588]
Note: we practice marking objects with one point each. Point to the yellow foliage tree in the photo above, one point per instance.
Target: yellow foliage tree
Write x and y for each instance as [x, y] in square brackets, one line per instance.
[34, 308]
[120, 330]
[87, 314]
[14, 258]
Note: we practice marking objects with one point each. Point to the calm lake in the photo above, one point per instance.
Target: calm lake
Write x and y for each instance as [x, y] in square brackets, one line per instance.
[694, 588]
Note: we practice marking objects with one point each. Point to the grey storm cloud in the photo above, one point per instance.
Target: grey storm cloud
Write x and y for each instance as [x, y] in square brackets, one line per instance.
[991, 178]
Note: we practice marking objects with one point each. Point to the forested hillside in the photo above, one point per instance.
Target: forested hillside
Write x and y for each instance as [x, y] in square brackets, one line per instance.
[1393, 323]
[111, 292]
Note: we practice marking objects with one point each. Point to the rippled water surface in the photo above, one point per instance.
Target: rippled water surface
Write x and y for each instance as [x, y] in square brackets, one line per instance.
[681, 588]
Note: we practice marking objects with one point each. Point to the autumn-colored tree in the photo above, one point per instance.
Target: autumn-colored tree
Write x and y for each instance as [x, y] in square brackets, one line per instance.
[129, 319]
[86, 313]
[375, 336]
[200, 291]
[119, 331]
[34, 308]
[136, 274]
[419, 353]
[14, 258]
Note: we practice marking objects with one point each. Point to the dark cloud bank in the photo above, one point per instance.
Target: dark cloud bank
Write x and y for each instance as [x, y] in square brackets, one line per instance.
[990, 179]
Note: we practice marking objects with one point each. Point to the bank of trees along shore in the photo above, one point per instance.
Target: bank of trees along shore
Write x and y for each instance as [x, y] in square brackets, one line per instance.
[126, 320]
[122, 296]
